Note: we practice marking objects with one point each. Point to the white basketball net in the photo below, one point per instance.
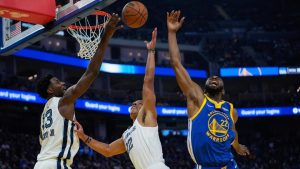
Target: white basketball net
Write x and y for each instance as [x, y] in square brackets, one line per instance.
[88, 36]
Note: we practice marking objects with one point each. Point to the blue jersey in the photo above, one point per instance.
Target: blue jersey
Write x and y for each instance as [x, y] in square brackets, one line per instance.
[210, 134]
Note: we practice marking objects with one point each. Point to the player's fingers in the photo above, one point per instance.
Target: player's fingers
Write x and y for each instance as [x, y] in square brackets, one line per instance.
[173, 17]
[168, 16]
[115, 15]
[172, 13]
[112, 16]
[182, 20]
[169, 19]
[145, 42]
[247, 150]
[116, 21]
[119, 19]
[76, 129]
[78, 125]
[120, 27]
[154, 34]
[115, 18]
[177, 15]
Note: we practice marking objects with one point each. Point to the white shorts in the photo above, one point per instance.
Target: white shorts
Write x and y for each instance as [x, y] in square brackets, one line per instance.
[49, 164]
[158, 166]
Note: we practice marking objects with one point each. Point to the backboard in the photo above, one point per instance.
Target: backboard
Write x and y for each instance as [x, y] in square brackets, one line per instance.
[16, 35]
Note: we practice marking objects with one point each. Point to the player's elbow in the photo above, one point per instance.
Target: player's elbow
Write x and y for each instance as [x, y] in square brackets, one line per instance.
[108, 153]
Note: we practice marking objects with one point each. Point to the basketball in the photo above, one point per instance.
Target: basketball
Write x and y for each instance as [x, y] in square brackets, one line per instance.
[134, 14]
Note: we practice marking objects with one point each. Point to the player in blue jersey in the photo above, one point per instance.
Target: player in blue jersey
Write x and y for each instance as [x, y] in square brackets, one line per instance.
[211, 120]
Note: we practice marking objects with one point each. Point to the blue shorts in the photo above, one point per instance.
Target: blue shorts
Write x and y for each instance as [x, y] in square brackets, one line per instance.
[231, 165]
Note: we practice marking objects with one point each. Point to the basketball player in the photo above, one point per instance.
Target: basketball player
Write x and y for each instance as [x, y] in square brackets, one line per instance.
[211, 120]
[59, 143]
[141, 140]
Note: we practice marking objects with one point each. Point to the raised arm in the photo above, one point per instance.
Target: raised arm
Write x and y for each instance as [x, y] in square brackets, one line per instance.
[91, 72]
[107, 150]
[149, 98]
[189, 88]
[239, 148]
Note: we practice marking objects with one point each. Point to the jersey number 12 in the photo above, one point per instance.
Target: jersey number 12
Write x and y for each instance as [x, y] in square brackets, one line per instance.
[129, 144]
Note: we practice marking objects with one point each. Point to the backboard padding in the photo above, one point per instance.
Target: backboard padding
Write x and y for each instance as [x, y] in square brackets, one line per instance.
[67, 16]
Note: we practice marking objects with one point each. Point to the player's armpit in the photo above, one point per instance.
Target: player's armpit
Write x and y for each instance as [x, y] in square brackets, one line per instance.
[66, 103]
[234, 116]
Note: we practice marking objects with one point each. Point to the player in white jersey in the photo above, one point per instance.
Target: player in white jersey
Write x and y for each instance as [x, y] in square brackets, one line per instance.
[141, 140]
[59, 142]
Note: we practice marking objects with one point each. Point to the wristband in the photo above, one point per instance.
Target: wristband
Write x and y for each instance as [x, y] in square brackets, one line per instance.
[152, 50]
[88, 140]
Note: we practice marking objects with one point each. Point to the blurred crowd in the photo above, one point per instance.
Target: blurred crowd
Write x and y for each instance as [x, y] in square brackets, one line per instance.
[19, 151]
[221, 48]
[225, 32]
[246, 94]
[269, 150]
[227, 35]
[237, 52]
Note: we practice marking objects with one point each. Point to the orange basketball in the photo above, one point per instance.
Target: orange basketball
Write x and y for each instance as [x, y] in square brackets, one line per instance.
[134, 14]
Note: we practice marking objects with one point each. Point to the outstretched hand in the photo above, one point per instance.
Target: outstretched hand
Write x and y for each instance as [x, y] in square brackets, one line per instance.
[79, 130]
[173, 21]
[152, 43]
[112, 25]
[242, 150]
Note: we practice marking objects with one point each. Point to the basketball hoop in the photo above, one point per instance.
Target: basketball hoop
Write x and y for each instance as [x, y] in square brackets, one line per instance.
[89, 35]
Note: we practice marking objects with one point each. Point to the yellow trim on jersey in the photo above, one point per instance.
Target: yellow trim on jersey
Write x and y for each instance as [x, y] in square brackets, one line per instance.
[231, 111]
[201, 107]
[217, 105]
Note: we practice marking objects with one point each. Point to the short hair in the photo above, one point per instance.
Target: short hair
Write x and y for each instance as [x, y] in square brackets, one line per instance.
[42, 86]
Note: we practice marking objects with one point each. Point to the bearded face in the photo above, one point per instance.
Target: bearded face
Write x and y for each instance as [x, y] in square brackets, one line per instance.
[214, 85]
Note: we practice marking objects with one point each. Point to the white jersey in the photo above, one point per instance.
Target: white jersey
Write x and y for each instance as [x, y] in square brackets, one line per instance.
[57, 138]
[144, 147]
